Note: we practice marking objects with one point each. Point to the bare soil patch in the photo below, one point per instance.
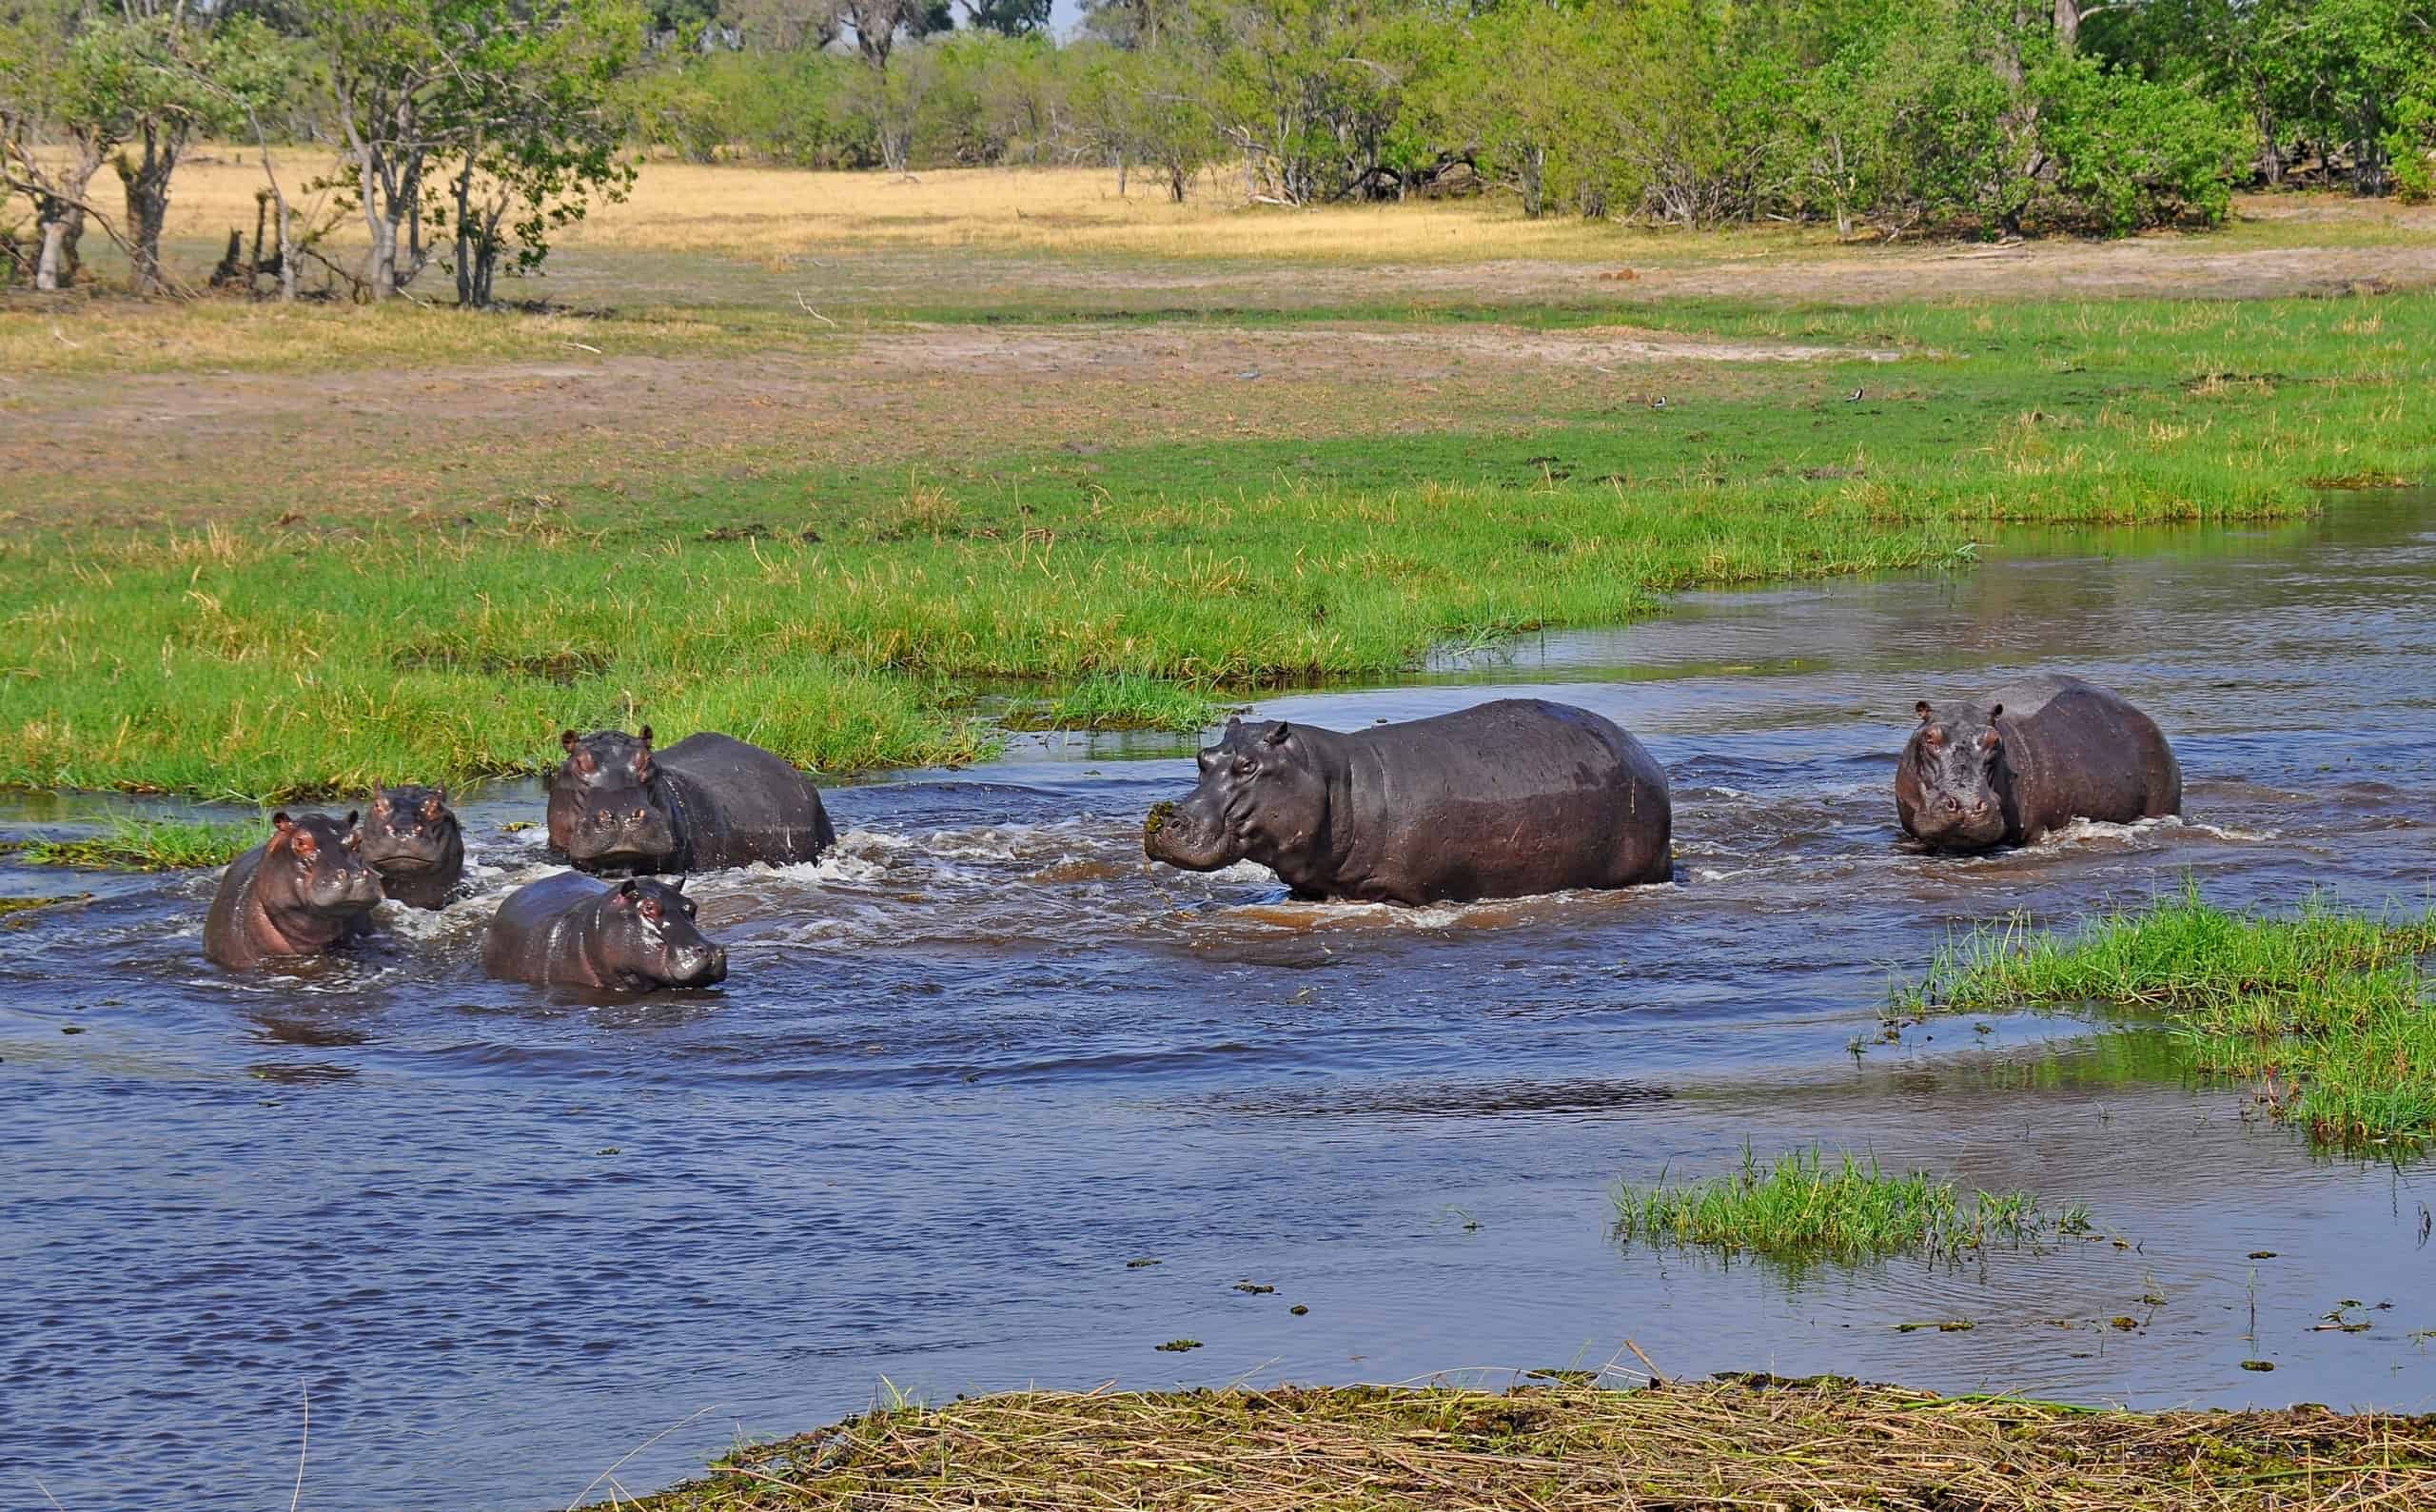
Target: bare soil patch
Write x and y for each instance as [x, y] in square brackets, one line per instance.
[224, 444]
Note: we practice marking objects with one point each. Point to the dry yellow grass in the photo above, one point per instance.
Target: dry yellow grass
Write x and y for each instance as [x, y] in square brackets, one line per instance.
[772, 213]
[1822, 1446]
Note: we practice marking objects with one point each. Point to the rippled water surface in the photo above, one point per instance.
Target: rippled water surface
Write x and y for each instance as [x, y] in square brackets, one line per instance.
[973, 1069]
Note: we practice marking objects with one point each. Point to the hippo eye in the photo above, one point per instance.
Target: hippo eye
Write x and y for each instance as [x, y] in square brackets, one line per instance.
[1245, 766]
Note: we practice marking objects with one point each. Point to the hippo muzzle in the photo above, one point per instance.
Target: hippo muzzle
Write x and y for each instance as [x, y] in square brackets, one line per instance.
[627, 838]
[1949, 822]
[1190, 835]
[700, 966]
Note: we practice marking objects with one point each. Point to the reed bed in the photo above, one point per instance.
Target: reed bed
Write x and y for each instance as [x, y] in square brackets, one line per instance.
[1749, 1442]
[2328, 1010]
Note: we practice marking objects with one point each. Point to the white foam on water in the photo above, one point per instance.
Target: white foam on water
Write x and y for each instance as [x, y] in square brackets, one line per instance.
[2084, 831]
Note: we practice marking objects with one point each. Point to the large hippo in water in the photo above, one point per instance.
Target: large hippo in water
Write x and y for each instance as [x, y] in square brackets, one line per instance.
[304, 891]
[2029, 758]
[573, 931]
[708, 801]
[413, 840]
[1501, 801]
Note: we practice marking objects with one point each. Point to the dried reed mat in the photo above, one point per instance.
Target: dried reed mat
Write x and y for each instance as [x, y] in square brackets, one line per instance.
[1752, 1442]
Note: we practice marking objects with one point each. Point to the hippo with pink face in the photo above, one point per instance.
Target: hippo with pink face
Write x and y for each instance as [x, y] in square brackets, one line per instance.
[304, 891]
[2027, 759]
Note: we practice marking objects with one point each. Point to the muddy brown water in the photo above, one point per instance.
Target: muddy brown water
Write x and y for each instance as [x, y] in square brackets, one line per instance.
[969, 1070]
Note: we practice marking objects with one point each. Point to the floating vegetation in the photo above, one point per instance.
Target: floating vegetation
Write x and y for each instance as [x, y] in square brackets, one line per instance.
[1120, 702]
[13, 905]
[150, 845]
[1807, 1208]
[2327, 1010]
[1755, 1441]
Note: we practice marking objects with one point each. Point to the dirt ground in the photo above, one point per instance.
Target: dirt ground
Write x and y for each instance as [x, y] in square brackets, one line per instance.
[224, 444]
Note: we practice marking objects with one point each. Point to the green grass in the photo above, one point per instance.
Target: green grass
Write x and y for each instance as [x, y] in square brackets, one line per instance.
[2328, 1009]
[1805, 1207]
[1119, 702]
[842, 617]
[150, 845]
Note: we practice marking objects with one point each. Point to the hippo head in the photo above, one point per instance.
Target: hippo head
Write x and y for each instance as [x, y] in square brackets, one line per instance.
[1956, 755]
[604, 813]
[1261, 796]
[410, 831]
[313, 864]
[647, 939]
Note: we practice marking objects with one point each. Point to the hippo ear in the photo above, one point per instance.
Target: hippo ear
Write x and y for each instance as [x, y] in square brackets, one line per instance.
[646, 738]
[1234, 721]
[354, 817]
[1988, 740]
[567, 739]
[1922, 709]
[681, 883]
[380, 805]
[280, 821]
[1995, 711]
[1276, 734]
[626, 889]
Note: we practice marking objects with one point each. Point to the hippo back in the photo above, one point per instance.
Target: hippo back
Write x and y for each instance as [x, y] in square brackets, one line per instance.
[2074, 750]
[525, 930]
[227, 937]
[734, 804]
[1508, 799]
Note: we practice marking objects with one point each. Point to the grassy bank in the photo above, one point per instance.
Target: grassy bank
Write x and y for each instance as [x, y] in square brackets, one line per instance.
[2328, 1010]
[836, 613]
[1806, 1207]
[1805, 1446]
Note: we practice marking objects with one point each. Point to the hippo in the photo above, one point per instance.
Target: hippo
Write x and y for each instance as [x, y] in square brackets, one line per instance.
[1501, 801]
[414, 842]
[2030, 758]
[573, 931]
[304, 891]
[708, 801]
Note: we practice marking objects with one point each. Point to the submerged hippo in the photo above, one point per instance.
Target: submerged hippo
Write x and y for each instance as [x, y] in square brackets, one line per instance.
[1502, 800]
[413, 840]
[576, 932]
[2029, 758]
[708, 801]
[304, 891]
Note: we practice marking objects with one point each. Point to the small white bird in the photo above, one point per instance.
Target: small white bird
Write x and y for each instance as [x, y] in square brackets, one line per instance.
[1660, 402]
[1855, 396]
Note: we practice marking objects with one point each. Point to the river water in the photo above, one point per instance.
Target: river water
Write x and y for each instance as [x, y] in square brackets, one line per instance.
[972, 1069]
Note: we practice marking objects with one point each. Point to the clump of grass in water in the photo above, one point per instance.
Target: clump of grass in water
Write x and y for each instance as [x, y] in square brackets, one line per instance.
[1803, 1207]
[1121, 702]
[2328, 1007]
[150, 845]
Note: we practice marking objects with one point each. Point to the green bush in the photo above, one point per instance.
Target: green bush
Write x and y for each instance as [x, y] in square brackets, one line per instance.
[2126, 153]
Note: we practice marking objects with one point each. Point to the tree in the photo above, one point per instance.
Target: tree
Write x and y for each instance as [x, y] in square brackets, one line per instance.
[535, 132]
[879, 23]
[1010, 18]
[501, 106]
[50, 79]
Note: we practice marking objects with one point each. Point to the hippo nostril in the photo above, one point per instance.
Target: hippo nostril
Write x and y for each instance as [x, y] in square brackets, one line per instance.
[1954, 805]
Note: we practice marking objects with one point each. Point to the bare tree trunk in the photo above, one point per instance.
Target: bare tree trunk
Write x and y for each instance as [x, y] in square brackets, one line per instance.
[60, 220]
[147, 183]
